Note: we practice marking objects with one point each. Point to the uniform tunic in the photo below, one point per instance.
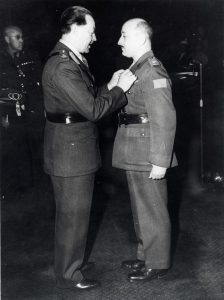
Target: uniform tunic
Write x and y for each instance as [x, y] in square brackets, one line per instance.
[23, 120]
[69, 87]
[138, 146]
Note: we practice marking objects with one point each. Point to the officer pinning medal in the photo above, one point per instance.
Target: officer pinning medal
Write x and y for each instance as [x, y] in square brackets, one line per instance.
[73, 103]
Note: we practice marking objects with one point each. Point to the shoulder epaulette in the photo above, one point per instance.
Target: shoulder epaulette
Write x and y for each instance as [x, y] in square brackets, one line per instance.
[62, 54]
[154, 61]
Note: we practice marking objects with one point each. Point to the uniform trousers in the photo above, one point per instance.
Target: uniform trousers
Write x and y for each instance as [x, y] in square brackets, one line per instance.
[151, 219]
[73, 198]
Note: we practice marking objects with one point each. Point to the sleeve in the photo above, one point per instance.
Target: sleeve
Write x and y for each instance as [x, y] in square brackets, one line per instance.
[70, 85]
[162, 116]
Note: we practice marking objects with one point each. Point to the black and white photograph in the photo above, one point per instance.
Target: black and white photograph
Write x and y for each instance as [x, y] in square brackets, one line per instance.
[112, 149]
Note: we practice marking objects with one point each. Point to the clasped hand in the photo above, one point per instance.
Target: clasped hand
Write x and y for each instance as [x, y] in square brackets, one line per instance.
[122, 78]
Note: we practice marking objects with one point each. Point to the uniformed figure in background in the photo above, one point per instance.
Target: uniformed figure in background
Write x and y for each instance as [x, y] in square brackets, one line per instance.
[22, 115]
[144, 149]
[71, 153]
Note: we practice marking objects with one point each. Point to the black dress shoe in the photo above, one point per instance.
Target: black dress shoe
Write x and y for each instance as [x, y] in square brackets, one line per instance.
[145, 274]
[84, 284]
[133, 264]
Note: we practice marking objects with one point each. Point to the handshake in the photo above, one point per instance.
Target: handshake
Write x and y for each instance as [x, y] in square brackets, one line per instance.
[122, 78]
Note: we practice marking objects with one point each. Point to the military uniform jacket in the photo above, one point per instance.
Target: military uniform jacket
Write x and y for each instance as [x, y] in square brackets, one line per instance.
[22, 75]
[68, 87]
[138, 146]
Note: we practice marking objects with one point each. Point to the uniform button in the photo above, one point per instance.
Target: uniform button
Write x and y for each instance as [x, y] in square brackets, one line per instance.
[142, 134]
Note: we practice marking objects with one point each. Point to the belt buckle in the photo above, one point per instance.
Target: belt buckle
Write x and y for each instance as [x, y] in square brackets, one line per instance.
[68, 120]
[144, 119]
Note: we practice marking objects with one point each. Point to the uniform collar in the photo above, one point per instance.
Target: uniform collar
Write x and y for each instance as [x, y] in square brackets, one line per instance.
[61, 46]
[141, 60]
[72, 48]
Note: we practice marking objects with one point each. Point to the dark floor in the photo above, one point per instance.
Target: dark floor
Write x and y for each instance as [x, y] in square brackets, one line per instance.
[198, 241]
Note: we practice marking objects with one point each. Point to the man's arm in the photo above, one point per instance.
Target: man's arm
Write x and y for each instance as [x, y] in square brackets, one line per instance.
[162, 118]
[71, 86]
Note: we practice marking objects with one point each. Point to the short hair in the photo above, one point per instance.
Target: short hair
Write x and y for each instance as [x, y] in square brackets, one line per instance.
[9, 28]
[73, 15]
[142, 24]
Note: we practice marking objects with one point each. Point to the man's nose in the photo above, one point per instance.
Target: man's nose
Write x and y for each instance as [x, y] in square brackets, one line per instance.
[119, 42]
[94, 38]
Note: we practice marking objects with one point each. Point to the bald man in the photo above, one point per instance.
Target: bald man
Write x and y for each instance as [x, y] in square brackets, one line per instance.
[10, 58]
[14, 39]
[22, 120]
[144, 149]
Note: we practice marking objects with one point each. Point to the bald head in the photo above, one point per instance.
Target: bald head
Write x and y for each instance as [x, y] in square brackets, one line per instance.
[10, 30]
[13, 37]
[139, 26]
[135, 38]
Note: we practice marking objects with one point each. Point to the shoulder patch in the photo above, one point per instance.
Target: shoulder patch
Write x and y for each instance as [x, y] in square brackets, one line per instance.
[61, 53]
[154, 61]
[160, 83]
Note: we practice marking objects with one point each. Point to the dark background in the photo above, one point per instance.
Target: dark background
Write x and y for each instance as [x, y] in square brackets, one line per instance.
[172, 21]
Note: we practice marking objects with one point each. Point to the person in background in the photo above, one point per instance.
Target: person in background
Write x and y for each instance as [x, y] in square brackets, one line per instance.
[22, 114]
[73, 104]
[143, 147]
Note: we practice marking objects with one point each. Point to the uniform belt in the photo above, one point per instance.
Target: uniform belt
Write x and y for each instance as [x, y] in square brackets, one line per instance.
[66, 118]
[127, 119]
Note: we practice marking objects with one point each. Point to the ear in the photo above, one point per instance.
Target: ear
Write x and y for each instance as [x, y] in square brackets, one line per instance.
[6, 38]
[74, 28]
[142, 39]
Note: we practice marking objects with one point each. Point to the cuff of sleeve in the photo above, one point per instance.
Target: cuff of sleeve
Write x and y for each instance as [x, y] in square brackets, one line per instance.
[161, 162]
[117, 91]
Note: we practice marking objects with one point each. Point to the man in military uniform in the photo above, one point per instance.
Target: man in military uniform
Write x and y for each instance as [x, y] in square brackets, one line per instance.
[144, 149]
[71, 152]
[22, 117]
